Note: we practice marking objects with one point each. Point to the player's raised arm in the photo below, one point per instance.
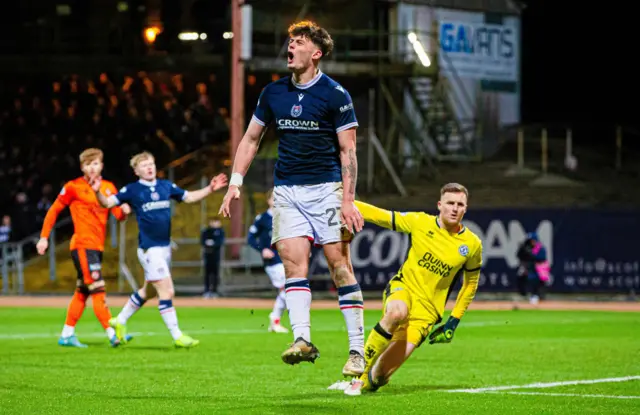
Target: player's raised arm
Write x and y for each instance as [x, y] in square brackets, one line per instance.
[118, 212]
[194, 196]
[396, 221]
[107, 202]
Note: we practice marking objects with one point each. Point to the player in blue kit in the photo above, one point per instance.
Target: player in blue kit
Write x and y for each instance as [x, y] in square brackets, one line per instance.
[259, 239]
[315, 183]
[150, 198]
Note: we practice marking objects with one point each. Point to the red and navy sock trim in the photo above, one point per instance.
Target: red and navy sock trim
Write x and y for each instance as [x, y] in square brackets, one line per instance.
[297, 285]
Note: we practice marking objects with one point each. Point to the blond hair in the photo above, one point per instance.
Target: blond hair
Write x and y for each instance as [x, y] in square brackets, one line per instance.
[91, 154]
[319, 36]
[140, 157]
[454, 188]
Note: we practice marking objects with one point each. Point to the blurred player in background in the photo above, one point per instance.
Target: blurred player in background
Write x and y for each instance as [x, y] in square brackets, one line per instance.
[212, 241]
[260, 240]
[87, 243]
[315, 184]
[414, 300]
[150, 198]
[534, 270]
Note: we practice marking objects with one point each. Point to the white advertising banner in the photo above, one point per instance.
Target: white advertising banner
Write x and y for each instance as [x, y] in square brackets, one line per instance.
[478, 54]
[477, 50]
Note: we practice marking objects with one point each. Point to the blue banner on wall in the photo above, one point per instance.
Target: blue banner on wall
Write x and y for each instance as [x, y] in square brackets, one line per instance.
[589, 250]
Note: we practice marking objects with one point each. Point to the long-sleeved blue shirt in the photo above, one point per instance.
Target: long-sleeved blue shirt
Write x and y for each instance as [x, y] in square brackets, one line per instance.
[260, 236]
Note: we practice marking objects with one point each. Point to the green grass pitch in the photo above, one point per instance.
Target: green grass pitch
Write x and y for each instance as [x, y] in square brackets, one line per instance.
[237, 367]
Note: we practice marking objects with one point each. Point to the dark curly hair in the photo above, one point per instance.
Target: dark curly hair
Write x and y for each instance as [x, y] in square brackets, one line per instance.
[319, 36]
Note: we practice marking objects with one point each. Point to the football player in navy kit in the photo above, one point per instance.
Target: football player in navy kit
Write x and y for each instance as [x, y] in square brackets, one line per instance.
[315, 183]
[150, 198]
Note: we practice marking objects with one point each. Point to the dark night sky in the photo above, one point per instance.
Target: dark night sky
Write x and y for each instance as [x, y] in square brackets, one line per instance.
[573, 64]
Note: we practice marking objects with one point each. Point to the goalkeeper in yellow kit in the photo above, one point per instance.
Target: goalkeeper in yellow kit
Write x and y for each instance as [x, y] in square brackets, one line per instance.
[442, 249]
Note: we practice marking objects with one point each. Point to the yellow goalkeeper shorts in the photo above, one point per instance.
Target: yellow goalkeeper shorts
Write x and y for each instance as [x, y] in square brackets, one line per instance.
[420, 320]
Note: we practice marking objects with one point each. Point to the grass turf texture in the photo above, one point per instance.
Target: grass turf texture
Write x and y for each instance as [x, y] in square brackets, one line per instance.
[237, 367]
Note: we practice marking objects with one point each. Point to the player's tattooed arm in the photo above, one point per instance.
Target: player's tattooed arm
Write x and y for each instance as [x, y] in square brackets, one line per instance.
[349, 162]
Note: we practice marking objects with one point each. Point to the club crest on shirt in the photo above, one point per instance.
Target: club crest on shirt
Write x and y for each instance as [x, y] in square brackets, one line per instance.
[155, 196]
[463, 250]
[296, 110]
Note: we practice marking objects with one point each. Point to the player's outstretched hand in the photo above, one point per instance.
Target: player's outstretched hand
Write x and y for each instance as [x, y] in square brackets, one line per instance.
[351, 216]
[126, 209]
[95, 183]
[267, 253]
[444, 332]
[42, 245]
[218, 182]
[232, 194]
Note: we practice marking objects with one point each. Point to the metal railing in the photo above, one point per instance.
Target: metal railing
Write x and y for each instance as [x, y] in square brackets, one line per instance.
[14, 261]
[12, 267]
[231, 270]
[547, 149]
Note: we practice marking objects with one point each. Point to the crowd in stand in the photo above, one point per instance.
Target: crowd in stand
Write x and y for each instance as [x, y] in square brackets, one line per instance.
[46, 123]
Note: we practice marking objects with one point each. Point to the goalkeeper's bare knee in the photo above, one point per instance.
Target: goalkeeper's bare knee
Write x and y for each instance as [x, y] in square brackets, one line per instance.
[395, 313]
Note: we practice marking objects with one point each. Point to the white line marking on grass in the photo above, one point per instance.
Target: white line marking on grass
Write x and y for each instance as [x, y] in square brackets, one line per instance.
[545, 385]
[565, 394]
[470, 324]
[24, 336]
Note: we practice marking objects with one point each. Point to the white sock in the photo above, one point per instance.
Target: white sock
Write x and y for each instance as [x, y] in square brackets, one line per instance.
[352, 307]
[170, 318]
[133, 305]
[68, 331]
[278, 308]
[110, 332]
[298, 300]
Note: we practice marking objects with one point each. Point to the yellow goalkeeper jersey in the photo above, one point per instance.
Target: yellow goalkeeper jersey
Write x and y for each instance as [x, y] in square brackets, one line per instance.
[436, 257]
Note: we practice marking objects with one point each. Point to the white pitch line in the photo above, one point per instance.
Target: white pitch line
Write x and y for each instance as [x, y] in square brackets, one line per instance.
[81, 335]
[545, 385]
[578, 395]
[24, 336]
[21, 336]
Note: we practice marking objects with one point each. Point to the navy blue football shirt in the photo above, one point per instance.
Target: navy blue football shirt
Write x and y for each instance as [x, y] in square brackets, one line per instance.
[151, 201]
[260, 236]
[308, 118]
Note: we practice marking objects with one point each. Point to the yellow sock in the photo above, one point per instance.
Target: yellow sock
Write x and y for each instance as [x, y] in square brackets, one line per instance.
[377, 343]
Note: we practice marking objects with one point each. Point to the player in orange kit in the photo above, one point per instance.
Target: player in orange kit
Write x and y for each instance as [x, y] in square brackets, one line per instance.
[87, 244]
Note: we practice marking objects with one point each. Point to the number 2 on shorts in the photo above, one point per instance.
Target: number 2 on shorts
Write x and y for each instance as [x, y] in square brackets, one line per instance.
[332, 212]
